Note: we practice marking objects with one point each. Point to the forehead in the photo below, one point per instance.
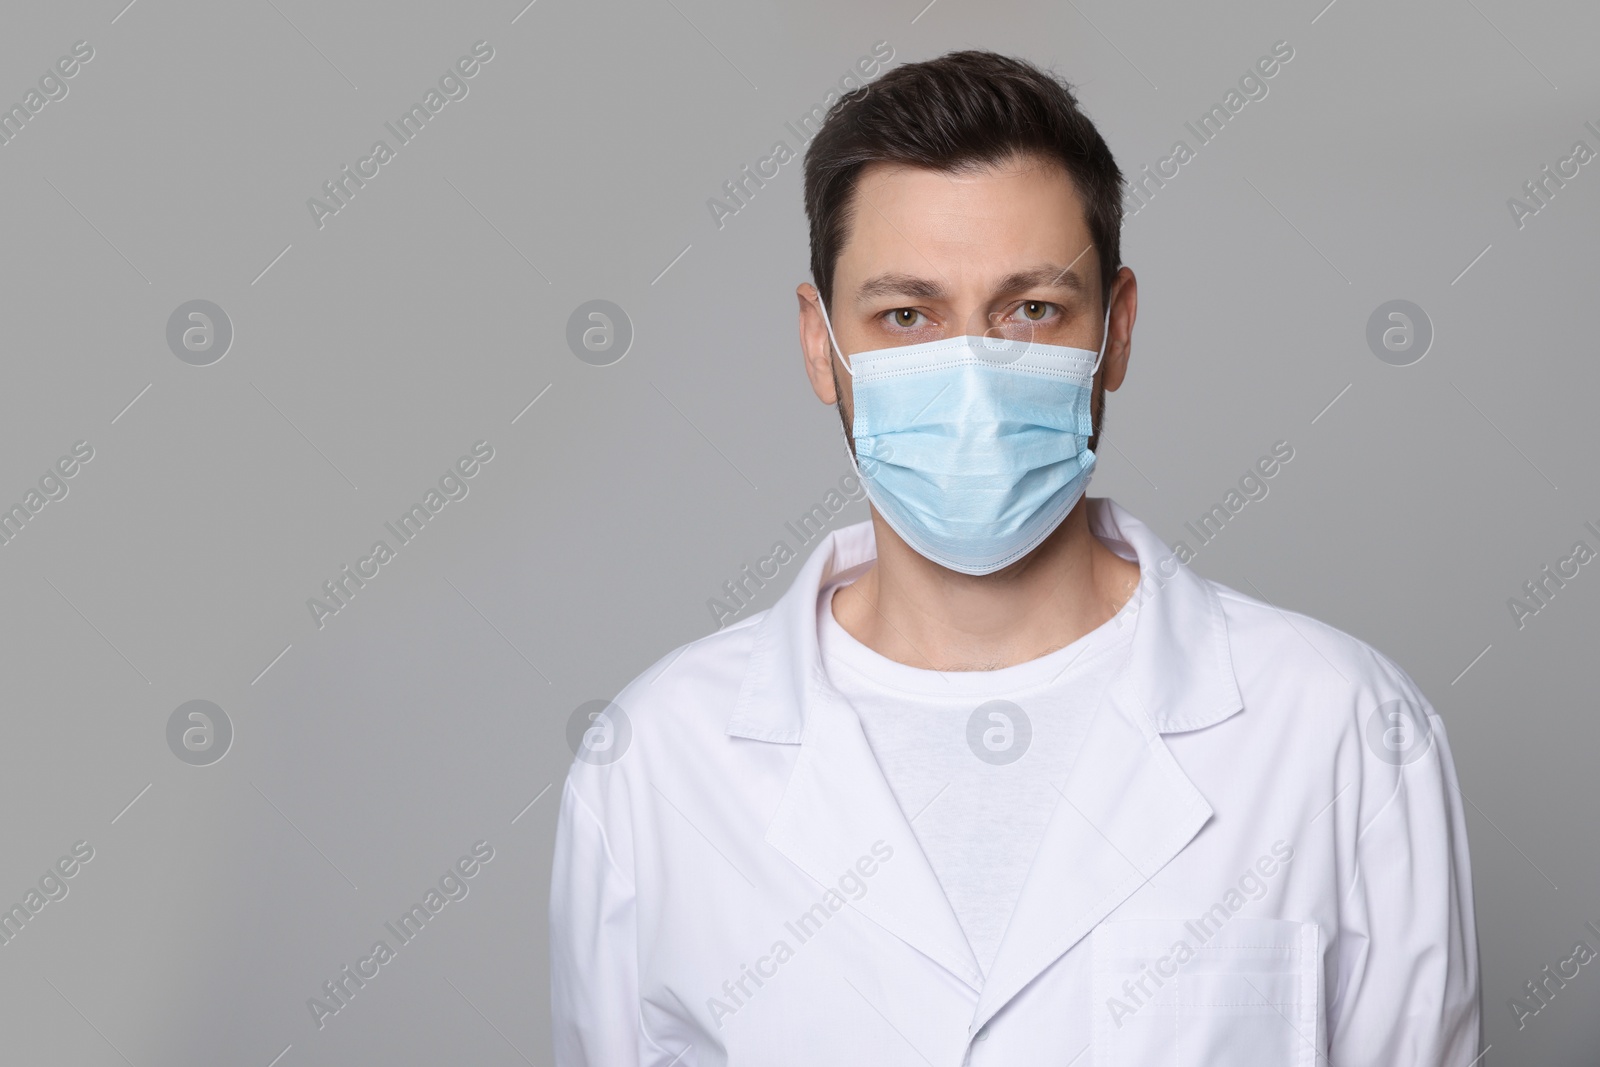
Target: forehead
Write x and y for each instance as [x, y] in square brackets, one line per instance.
[964, 227]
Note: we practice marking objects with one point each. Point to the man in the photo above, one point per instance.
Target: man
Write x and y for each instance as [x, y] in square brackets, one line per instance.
[999, 780]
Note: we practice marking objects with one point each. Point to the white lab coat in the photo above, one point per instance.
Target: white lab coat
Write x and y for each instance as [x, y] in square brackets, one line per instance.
[1243, 869]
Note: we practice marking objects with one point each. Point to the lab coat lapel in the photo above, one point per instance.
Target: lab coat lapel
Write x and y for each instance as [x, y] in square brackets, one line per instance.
[1125, 811]
[836, 803]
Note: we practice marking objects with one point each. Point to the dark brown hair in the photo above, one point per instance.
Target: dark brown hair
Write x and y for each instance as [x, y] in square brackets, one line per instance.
[962, 111]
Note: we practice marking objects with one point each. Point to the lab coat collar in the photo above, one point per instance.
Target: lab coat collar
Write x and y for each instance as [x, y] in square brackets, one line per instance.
[1127, 808]
[1180, 661]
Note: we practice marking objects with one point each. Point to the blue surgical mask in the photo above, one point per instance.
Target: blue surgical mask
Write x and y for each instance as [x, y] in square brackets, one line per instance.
[973, 449]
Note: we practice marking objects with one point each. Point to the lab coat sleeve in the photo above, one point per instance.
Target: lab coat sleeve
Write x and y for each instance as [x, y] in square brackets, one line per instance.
[1408, 992]
[594, 973]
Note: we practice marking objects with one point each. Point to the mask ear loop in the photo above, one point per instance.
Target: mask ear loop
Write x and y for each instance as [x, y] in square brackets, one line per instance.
[823, 307]
[1105, 340]
[849, 445]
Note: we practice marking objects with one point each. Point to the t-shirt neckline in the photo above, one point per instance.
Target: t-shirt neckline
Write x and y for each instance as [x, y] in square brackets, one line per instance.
[840, 650]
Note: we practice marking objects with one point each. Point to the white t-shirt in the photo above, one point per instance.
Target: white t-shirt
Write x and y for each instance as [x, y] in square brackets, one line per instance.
[975, 758]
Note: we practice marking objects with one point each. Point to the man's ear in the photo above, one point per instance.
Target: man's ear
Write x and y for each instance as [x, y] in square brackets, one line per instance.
[815, 346]
[1119, 346]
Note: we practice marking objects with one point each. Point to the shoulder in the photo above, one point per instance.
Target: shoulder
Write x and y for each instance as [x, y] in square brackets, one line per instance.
[694, 678]
[1288, 658]
[674, 712]
[1338, 718]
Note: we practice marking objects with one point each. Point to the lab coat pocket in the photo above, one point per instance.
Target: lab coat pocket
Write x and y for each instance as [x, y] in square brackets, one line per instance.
[1176, 993]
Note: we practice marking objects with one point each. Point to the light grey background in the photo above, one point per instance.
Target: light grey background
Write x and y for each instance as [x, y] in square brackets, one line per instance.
[427, 314]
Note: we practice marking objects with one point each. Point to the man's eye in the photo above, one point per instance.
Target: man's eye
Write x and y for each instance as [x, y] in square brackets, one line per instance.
[1034, 310]
[906, 317]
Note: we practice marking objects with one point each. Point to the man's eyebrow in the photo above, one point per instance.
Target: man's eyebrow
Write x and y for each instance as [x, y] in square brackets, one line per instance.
[892, 284]
[1044, 276]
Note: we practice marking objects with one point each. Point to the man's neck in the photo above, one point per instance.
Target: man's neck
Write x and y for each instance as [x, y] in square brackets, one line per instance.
[913, 611]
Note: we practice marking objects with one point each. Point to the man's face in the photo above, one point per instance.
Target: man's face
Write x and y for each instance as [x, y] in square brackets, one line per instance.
[1002, 252]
